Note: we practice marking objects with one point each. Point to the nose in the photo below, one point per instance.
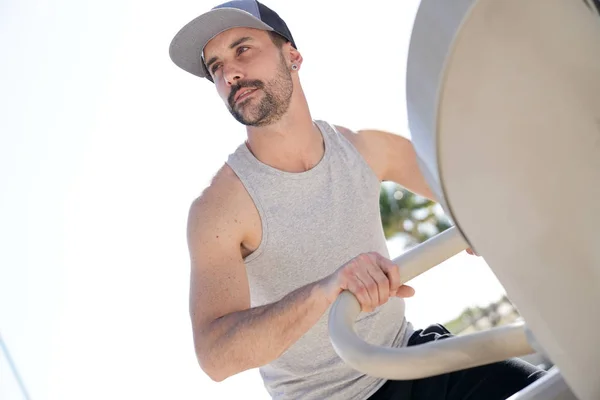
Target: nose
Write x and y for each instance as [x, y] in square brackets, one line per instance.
[231, 74]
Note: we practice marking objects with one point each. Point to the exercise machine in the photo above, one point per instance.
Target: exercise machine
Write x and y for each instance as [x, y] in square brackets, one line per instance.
[503, 105]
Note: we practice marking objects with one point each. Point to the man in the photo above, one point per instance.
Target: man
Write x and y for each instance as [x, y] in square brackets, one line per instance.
[290, 221]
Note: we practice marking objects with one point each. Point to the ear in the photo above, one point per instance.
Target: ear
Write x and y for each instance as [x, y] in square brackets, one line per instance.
[294, 57]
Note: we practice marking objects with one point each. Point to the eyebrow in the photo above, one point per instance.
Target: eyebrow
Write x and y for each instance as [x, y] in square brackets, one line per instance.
[231, 46]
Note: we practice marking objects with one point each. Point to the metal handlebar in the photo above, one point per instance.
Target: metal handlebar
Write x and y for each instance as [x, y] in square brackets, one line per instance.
[432, 358]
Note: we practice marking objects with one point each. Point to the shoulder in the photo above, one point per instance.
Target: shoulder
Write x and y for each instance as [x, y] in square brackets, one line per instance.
[224, 187]
[220, 206]
[352, 136]
[370, 144]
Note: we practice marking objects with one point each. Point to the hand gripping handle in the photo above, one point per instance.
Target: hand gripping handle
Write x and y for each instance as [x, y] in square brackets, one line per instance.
[428, 359]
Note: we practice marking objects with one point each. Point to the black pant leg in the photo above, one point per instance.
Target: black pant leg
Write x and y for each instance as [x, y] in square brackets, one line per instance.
[496, 381]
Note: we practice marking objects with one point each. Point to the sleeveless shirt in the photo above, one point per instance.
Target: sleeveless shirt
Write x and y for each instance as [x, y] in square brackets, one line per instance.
[312, 223]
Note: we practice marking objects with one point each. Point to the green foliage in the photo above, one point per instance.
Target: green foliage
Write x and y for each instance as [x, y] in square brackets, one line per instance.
[418, 219]
[403, 212]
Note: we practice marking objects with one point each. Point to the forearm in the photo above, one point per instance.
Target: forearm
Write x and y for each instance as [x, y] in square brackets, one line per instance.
[251, 338]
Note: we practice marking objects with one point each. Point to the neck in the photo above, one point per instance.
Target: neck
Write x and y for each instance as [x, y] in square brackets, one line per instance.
[292, 144]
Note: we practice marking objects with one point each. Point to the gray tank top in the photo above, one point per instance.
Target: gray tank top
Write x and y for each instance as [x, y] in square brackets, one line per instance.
[312, 223]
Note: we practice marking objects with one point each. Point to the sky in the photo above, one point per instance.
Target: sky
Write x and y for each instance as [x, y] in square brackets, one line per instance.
[104, 143]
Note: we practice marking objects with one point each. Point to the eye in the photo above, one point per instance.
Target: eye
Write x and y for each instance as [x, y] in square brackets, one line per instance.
[241, 50]
[214, 68]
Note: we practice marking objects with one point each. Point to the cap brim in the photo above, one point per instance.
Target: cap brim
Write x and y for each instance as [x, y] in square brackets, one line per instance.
[187, 45]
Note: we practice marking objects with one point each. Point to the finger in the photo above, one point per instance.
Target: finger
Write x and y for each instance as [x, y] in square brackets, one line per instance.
[392, 272]
[359, 290]
[370, 285]
[356, 287]
[472, 252]
[349, 281]
[405, 291]
[382, 281]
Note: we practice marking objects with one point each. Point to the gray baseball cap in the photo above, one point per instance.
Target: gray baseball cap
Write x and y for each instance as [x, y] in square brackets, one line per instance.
[188, 44]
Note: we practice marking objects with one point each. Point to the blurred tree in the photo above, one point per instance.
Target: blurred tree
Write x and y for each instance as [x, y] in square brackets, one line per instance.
[403, 212]
[418, 219]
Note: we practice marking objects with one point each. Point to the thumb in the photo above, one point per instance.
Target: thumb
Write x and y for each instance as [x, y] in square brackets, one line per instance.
[403, 291]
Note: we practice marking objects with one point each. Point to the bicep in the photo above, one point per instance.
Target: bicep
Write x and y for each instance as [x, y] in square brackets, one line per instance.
[396, 160]
[218, 280]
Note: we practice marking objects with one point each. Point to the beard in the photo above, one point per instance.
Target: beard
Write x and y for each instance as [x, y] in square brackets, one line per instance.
[277, 94]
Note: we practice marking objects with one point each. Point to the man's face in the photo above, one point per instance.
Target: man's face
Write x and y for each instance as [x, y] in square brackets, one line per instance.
[251, 75]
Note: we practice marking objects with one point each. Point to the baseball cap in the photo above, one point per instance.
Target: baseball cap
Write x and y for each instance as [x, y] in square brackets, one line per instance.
[188, 44]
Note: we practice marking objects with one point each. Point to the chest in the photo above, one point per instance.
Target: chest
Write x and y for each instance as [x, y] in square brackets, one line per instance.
[307, 234]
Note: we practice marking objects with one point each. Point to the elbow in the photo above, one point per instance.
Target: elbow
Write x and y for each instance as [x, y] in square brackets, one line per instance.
[215, 376]
[212, 366]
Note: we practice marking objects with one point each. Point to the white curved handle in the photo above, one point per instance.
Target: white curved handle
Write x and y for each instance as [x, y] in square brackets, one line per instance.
[430, 253]
[432, 358]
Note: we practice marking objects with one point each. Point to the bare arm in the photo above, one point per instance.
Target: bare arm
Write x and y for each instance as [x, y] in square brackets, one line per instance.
[229, 335]
[392, 157]
[250, 338]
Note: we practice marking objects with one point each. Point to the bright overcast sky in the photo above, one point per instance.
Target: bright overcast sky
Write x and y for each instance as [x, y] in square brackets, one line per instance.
[103, 145]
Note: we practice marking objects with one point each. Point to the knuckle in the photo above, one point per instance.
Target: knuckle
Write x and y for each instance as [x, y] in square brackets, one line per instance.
[350, 268]
[392, 269]
[364, 257]
[346, 271]
[375, 257]
[383, 281]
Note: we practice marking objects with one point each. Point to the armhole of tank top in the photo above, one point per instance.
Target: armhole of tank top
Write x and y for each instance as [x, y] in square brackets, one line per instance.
[362, 160]
[261, 213]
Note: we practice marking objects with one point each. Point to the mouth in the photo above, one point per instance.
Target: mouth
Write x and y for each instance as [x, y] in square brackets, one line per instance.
[243, 94]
